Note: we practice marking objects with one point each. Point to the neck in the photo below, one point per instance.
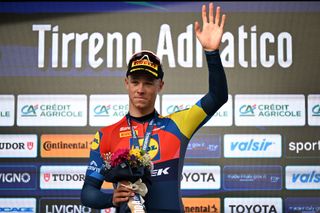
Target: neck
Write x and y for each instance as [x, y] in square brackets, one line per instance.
[136, 113]
[144, 118]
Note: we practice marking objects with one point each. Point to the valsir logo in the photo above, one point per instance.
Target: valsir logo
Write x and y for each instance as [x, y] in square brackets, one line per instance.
[303, 177]
[252, 146]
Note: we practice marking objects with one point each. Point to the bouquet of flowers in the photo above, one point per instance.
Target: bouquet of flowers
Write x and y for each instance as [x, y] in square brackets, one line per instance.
[131, 169]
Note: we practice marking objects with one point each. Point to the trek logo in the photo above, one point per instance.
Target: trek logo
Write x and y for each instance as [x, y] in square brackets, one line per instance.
[247, 110]
[253, 205]
[161, 171]
[303, 177]
[62, 177]
[200, 177]
[16, 205]
[252, 146]
[29, 110]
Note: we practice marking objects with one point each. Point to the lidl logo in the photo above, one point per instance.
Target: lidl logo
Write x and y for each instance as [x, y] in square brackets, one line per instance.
[153, 148]
[247, 110]
[96, 141]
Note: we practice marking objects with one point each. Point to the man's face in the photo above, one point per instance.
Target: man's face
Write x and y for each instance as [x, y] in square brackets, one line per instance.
[143, 89]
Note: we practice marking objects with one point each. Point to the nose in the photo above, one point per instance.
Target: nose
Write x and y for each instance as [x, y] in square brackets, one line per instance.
[140, 88]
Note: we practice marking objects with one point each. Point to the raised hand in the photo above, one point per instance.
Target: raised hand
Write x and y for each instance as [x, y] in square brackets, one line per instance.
[212, 30]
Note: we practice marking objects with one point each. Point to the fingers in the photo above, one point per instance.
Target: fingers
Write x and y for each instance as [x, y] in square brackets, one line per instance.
[197, 27]
[121, 194]
[217, 19]
[223, 21]
[211, 12]
[204, 14]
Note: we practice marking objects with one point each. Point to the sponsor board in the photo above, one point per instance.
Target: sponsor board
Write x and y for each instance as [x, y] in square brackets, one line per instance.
[302, 204]
[108, 210]
[303, 149]
[108, 109]
[204, 146]
[63, 205]
[16, 205]
[62, 177]
[18, 146]
[252, 204]
[252, 178]
[303, 177]
[7, 110]
[52, 110]
[201, 177]
[18, 177]
[203, 204]
[270, 110]
[314, 110]
[174, 103]
[66, 146]
[252, 146]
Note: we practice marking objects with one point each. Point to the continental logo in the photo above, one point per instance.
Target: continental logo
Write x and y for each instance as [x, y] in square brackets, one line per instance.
[144, 63]
[211, 205]
[65, 146]
[96, 142]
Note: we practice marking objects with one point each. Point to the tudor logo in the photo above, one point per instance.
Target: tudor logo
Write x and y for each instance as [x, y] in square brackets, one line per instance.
[46, 177]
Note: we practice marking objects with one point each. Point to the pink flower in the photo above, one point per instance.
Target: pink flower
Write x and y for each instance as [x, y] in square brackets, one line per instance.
[119, 156]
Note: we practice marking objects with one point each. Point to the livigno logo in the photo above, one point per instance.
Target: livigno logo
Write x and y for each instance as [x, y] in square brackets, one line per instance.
[52, 110]
[270, 110]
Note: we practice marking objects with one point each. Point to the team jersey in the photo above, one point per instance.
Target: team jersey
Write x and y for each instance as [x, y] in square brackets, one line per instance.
[167, 146]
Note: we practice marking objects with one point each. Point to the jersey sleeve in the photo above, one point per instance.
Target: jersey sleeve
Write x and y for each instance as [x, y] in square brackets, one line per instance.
[190, 120]
[91, 194]
[95, 160]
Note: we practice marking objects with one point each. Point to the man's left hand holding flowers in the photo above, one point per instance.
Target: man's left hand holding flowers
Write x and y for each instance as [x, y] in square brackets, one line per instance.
[130, 169]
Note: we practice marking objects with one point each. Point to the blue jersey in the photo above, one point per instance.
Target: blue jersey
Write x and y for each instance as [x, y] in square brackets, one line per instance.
[167, 146]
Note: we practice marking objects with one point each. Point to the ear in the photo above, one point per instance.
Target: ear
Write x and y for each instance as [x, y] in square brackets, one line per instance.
[161, 83]
[126, 83]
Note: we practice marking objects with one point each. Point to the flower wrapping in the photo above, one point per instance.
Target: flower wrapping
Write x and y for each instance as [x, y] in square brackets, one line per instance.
[132, 169]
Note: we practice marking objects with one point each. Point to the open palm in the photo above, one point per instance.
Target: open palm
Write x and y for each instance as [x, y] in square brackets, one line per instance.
[212, 30]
